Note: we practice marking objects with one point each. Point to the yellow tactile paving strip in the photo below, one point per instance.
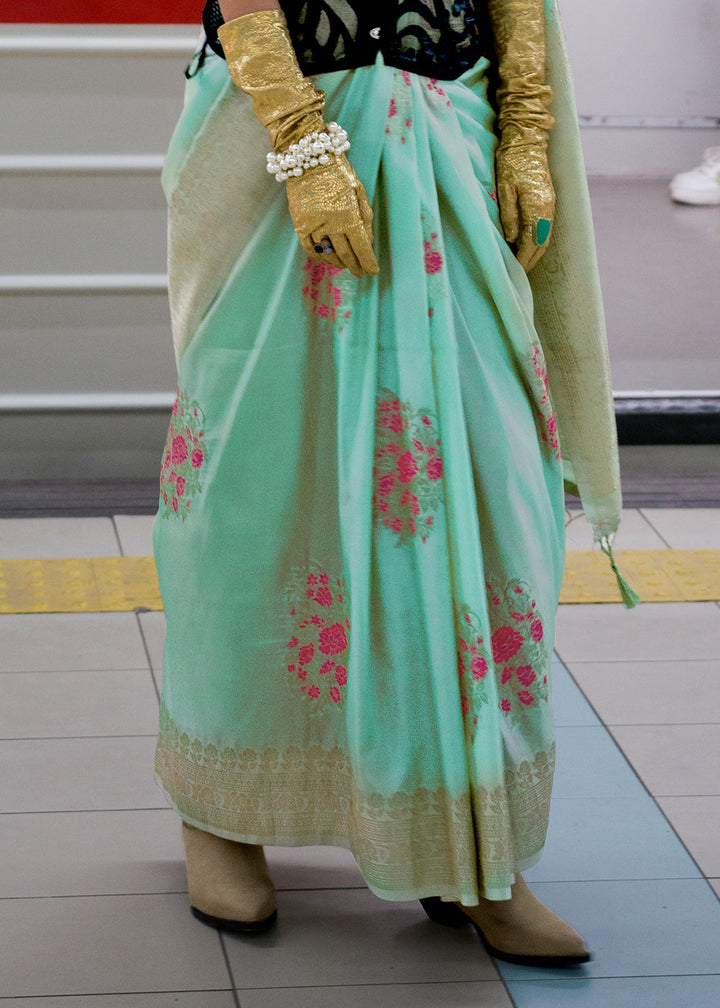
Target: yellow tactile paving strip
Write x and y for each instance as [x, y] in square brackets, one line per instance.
[95, 584]
[123, 584]
[656, 575]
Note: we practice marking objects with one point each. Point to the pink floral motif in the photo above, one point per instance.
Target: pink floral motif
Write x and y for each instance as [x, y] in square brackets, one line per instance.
[520, 646]
[549, 431]
[434, 262]
[433, 259]
[526, 675]
[517, 653]
[184, 457]
[317, 653]
[478, 667]
[407, 469]
[435, 89]
[399, 118]
[473, 663]
[506, 641]
[323, 596]
[321, 293]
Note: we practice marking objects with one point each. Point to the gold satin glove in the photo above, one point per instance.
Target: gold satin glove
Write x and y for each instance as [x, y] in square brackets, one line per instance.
[525, 192]
[328, 201]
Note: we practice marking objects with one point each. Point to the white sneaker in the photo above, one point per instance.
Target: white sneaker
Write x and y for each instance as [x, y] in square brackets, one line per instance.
[700, 186]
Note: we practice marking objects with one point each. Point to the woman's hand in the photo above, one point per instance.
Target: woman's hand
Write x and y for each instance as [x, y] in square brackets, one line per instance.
[526, 199]
[329, 202]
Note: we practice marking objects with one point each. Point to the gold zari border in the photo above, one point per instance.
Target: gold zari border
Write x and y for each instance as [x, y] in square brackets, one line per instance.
[426, 842]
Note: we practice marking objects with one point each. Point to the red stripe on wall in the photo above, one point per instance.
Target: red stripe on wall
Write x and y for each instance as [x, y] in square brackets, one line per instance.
[102, 12]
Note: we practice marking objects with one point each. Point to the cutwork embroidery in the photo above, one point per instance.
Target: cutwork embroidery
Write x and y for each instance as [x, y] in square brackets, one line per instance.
[407, 470]
[317, 653]
[184, 457]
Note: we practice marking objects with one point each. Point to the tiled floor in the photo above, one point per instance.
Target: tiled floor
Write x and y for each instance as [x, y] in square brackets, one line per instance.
[93, 907]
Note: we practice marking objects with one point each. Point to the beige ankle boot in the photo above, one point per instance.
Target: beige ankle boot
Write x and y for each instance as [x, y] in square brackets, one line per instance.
[519, 930]
[229, 883]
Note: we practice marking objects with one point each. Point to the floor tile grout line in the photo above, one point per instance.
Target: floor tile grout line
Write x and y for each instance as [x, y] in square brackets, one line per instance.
[70, 671]
[615, 976]
[75, 738]
[288, 890]
[661, 724]
[84, 811]
[146, 647]
[116, 530]
[384, 983]
[638, 661]
[641, 512]
[226, 957]
[132, 993]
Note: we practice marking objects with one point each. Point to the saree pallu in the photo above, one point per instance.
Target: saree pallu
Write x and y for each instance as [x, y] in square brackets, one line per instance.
[360, 540]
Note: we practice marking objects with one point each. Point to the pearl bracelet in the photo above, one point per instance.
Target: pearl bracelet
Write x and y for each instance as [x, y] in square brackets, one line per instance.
[309, 152]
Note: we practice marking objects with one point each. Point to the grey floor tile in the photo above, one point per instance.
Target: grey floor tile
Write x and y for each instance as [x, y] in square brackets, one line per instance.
[715, 883]
[674, 759]
[26, 538]
[638, 992]
[590, 765]
[696, 529]
[352, 937]
[128, 944]
[653, 631]
[569, 705]
[135, 534]
[651, 692]
[68, 642]
[65, 704]
[697, 821]
[668, 927]
[490, 994]
[168, 999]
[596, 839]
[65, 775]
[313, 868]
[635, 533]
[91, 853]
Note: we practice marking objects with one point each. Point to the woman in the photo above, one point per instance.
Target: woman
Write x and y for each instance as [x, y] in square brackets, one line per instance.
[360, 540]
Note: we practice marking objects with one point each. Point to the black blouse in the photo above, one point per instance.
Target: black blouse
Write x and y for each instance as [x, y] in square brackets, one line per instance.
[434, 38]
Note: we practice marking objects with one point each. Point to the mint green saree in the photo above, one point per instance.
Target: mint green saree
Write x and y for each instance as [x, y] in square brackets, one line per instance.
[360, 539]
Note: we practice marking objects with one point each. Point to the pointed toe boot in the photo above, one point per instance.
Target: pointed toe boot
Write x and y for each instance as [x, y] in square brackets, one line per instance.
[520, 930]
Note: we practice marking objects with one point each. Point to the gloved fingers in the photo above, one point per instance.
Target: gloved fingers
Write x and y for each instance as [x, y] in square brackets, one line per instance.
[529, 253]
[360, 238]
[507, 196]
[344, 253]
[310, 247]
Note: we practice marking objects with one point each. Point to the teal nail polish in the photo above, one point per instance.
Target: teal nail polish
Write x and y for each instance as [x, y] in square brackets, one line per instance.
[542, 231]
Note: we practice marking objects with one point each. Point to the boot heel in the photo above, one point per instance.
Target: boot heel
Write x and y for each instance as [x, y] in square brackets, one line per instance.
[447, 914]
